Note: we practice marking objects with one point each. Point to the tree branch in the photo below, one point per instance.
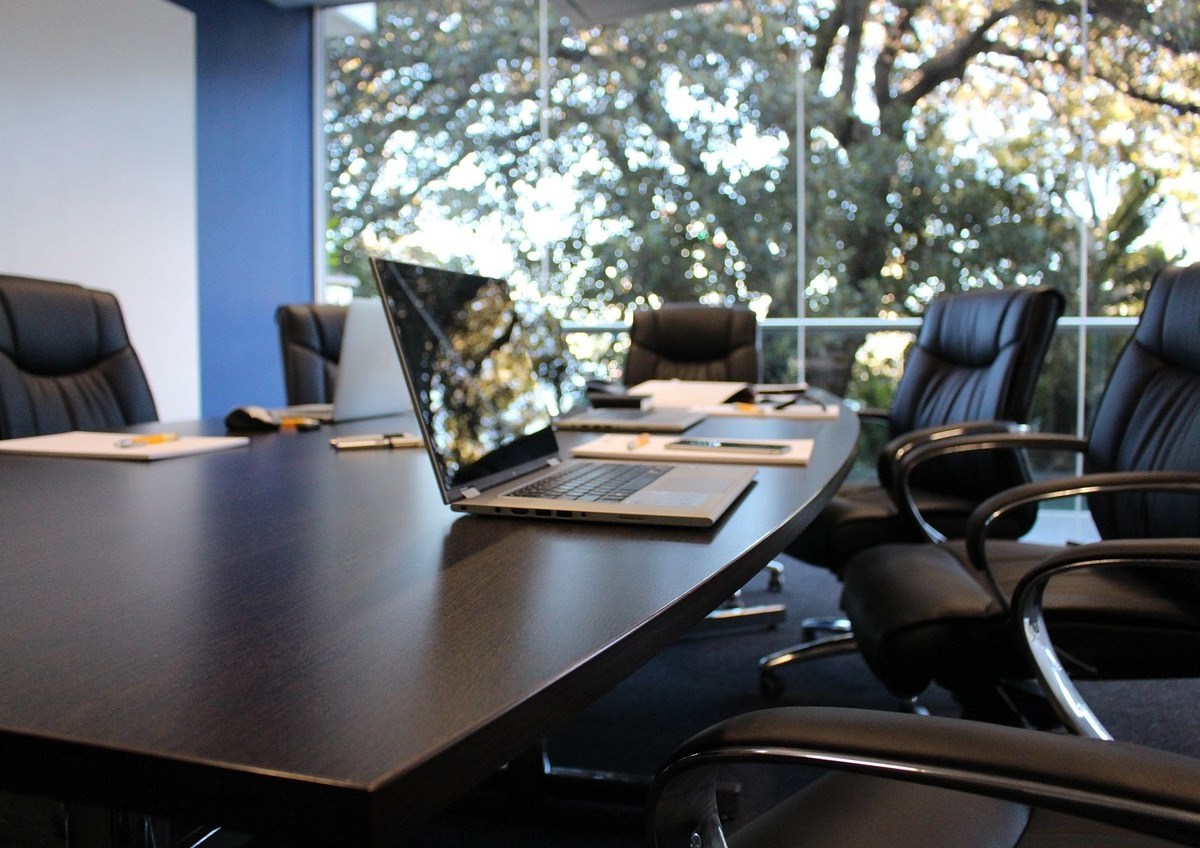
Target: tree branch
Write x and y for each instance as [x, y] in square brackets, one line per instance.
[826, 37]
[952, 62]
[855, 20]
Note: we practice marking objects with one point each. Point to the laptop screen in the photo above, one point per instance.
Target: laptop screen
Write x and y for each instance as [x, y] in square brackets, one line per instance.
[484, 410]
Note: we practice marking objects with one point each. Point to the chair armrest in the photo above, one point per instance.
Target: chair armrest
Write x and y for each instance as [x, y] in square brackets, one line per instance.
[902, 492]
[899, 447]
[1127, 785]
[1109, 482]
[1064, 697]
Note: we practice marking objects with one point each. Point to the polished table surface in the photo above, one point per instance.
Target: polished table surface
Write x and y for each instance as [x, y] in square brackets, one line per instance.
[287, 639]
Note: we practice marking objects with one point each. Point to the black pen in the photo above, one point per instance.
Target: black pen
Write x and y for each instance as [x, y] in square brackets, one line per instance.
[383, 440]
[797, 397]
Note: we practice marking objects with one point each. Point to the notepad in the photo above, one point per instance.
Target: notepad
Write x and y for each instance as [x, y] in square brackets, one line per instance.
[99, 445]
[654, 448]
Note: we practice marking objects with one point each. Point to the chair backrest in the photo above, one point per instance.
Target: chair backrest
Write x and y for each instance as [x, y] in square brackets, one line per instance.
[1148, 418]
[977, 357]
[66, 362]
[690, 341]
[310, 337]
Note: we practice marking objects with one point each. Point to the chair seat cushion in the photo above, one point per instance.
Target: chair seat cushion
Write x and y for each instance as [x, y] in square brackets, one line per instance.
[920, 615]
[840, 809]
[863, 516]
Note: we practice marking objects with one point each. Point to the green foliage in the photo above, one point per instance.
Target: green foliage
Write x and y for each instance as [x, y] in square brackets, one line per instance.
[669, 170]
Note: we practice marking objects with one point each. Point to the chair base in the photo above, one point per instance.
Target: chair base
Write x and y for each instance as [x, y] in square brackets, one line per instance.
[810, 627]
[769, 680]
[734, 613]
[103, 828]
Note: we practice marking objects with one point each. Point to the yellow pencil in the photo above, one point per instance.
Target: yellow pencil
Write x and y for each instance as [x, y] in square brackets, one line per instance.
[148, 439]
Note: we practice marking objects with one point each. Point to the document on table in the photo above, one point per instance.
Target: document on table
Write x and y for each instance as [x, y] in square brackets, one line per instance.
[140, 447]
[686, 394]
[711, 397]
[675, 448]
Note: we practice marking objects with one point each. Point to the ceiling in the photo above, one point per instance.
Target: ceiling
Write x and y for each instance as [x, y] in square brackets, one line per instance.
[581, 12]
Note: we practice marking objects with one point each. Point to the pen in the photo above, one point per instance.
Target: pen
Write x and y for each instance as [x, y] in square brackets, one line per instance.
[807, 399]
[641, 441]
[148, 439]
[383, 440]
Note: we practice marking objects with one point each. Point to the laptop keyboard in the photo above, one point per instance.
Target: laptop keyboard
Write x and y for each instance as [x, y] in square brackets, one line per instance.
[593, 481]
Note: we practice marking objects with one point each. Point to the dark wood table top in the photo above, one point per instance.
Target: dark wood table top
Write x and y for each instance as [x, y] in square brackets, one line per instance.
[287, 639]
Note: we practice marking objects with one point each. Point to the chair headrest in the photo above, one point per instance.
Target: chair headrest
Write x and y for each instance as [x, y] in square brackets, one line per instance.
[1168, 324]
[974, 327]
[51, 328]
[689, 332]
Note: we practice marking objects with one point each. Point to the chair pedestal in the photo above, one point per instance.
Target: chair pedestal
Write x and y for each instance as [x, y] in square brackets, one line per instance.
[769, 680]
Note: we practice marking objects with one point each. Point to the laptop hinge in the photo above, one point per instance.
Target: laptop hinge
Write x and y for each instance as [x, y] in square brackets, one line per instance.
[469, 492]
[553, 461]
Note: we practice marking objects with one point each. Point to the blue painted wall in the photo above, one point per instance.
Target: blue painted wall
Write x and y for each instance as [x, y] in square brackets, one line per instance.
[254, 191]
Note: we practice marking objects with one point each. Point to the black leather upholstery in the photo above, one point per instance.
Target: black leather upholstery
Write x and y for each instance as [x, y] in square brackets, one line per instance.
[690, 341]
[65, 361]
[310, 337]
[910, 781]
[925, 613]
[977, 358]
[918, 781]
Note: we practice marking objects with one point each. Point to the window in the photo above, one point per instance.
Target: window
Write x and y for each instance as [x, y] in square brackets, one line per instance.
[833, 165]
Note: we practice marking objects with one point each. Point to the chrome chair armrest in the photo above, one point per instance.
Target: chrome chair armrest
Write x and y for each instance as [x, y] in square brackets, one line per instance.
[903, 494]
[1057, 685]
[902, 445]
[1085, 484]
[1128, 785]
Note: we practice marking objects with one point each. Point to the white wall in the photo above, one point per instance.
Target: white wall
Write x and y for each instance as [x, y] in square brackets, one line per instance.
[98, 185]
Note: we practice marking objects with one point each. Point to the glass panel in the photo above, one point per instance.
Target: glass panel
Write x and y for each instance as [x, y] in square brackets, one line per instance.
[671, 135]
[664, 167]
[431, 117]
[1143, 113]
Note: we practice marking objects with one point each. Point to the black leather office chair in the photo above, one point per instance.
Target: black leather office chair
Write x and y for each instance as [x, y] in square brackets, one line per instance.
[66, 362]
[974, 366]
[690, 341]
[310, 338]
[973, 369]
[918, 781]
[943, 611]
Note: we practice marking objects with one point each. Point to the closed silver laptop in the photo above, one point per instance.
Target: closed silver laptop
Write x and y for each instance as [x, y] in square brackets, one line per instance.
[369, 383]
[486, 415]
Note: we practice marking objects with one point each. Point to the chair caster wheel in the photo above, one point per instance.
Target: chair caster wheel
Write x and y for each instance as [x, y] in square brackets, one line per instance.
[770, 684]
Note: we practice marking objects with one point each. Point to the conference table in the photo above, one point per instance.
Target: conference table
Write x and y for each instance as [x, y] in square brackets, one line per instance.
[290, 640]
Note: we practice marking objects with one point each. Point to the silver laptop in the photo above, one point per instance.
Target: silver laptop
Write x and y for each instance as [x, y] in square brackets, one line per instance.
[486, 415]
[369, 382]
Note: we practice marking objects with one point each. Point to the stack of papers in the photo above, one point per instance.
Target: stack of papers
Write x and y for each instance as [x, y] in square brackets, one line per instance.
[710, 397]
[686, 394]
[127, 446]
